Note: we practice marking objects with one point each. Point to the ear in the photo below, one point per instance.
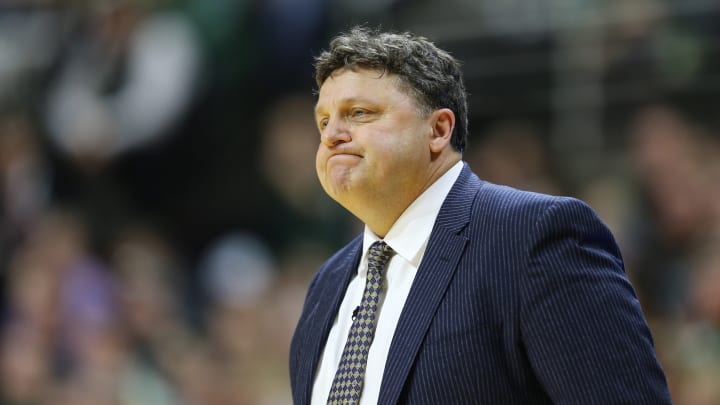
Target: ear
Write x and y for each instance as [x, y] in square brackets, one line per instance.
[443, 123]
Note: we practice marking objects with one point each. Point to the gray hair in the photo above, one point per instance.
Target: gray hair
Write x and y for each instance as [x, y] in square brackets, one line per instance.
[432, 75]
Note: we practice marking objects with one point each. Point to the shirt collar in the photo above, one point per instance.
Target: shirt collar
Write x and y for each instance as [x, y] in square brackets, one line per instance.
[410, 233]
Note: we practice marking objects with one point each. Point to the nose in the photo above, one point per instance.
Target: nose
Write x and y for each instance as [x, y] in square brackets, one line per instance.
[335, 133]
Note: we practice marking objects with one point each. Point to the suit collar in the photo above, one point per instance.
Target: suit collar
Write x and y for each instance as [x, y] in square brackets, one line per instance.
[445, 247]
[455, 212]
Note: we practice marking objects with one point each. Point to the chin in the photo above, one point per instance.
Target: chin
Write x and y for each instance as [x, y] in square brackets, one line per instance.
[339, 192]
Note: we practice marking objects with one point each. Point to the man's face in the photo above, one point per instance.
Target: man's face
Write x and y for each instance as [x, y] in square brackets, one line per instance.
[374, 140]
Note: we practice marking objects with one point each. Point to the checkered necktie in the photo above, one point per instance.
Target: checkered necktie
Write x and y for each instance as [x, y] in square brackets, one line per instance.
[350, 374]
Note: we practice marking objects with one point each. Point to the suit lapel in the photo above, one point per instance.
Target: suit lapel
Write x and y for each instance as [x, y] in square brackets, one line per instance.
[444, 250]
[320, 320]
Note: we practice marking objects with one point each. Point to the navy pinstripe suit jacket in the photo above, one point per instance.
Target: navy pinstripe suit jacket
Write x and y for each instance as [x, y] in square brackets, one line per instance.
[521, 298]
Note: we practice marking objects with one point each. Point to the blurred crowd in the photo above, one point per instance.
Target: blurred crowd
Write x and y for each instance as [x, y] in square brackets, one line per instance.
[160, 217]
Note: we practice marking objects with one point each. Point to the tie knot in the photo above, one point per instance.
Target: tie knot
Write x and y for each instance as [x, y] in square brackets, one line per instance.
[379, 254]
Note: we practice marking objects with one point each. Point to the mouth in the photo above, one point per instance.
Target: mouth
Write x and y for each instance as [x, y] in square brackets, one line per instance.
[344, 157]
[343, 154]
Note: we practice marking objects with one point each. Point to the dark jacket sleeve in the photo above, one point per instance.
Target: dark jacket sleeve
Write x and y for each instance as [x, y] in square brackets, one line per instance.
[581, 322]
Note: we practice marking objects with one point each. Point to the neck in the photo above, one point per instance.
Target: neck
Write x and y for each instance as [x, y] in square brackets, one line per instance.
[381, 214]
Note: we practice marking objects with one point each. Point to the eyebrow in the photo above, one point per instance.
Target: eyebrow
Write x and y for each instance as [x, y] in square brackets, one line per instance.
[349, 100]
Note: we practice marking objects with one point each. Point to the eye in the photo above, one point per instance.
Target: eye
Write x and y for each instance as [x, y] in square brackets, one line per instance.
[323, 123]
[357, 112]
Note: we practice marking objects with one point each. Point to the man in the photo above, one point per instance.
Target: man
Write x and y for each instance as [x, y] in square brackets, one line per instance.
[459, 291]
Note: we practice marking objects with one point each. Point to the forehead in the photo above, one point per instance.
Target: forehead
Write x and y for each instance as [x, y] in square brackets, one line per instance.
[353, 82]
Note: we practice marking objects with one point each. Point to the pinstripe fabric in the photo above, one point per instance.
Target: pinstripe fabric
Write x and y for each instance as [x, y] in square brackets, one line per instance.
[522, 299]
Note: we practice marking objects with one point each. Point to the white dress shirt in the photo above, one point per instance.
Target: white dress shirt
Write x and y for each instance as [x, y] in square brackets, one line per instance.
[408, 236]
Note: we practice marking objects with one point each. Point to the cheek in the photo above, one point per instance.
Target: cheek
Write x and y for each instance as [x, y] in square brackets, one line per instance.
[400, 148]
[319, 164]
[319, 156]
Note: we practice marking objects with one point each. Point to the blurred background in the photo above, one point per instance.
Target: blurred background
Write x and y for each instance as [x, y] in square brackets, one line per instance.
[160, 217]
